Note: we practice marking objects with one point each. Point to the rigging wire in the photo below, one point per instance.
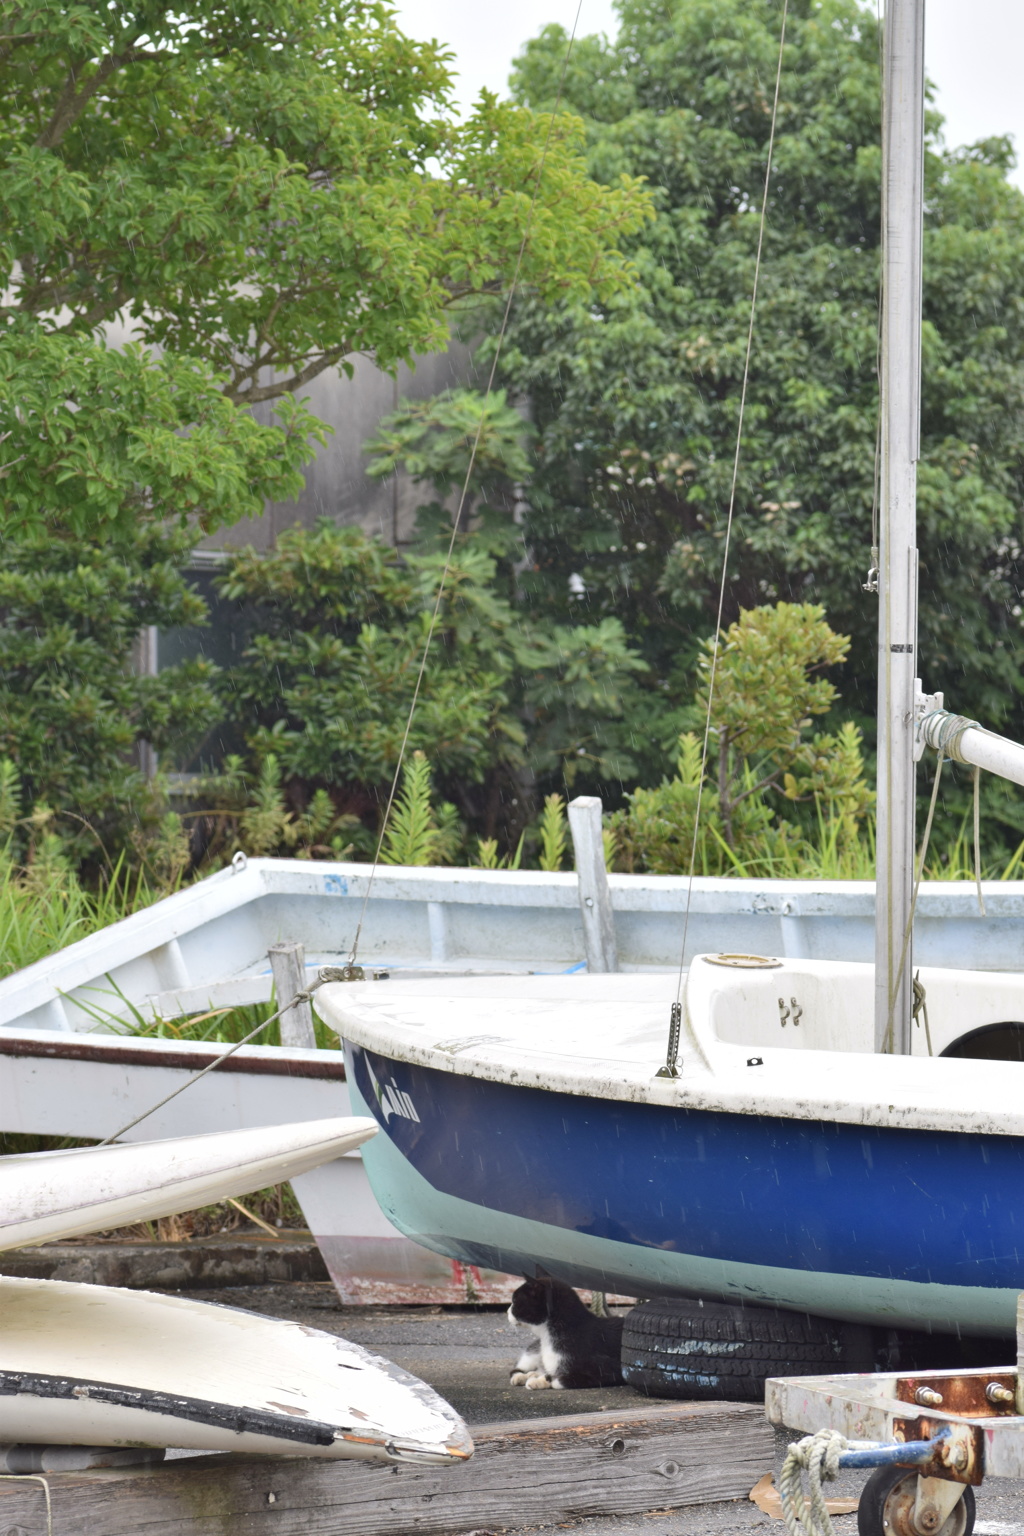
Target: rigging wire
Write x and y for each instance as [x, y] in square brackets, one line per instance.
[457, 516]
[889, 1045]
[326, 973]
[728, 539]
[871, 584]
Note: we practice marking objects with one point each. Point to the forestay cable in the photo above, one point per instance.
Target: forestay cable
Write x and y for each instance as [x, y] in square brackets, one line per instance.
[670, 1069]
[457, 517]
[325, 974]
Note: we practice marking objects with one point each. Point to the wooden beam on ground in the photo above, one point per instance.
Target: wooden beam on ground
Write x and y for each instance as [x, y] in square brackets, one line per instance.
[665, 1456]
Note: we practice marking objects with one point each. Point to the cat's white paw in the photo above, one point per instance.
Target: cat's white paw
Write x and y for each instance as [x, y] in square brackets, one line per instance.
[517, 1379]
[537, 1383]
[557, 1385]
[529, 1361]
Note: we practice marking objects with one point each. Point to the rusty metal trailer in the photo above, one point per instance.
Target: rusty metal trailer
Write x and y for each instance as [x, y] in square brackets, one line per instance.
[930, 1437]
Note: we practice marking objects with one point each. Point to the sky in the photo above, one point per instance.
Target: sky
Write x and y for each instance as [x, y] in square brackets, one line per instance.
[974, 51]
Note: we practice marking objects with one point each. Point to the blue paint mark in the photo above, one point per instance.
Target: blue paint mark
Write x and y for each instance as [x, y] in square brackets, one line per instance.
[335, 885]
[572, 969]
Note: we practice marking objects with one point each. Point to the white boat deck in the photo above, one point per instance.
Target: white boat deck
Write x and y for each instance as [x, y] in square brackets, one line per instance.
[605, 1037]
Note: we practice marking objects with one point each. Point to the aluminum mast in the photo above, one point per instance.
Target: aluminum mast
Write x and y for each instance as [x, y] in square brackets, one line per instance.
[902, 217]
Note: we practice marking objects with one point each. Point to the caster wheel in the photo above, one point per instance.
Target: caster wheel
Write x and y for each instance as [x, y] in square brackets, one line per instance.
[886, 1507]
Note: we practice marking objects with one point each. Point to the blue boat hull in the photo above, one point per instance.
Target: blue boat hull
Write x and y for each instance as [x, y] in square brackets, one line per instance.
[888, 1226]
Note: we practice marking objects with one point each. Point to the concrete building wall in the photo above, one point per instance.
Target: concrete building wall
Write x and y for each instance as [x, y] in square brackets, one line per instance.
[337, 485]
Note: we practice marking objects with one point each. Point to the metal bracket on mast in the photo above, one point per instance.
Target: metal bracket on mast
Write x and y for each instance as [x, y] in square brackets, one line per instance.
[924, 704]
[871, 585]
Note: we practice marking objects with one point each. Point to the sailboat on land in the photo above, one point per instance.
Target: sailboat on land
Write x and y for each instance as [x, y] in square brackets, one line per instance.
[814, 1139]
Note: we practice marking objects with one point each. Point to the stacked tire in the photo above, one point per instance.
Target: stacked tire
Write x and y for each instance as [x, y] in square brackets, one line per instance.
[692, 1350]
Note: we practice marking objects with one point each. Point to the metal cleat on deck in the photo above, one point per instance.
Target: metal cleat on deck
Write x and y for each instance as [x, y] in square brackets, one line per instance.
[930, 1437]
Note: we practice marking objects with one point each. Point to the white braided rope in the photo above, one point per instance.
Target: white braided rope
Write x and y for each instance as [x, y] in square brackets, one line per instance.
[32, 1477]
[817, 1455]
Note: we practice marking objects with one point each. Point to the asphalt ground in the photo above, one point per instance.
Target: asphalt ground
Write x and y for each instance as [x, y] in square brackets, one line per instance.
[466, 1355]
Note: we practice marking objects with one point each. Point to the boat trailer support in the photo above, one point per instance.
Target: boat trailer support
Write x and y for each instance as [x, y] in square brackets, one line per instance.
[972, 1427]
[951, 1455]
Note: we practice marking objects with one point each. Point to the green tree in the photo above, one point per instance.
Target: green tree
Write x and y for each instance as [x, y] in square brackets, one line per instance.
[434, 441]
[573, 685]
[767, 687]
[635, 399]
[338, 631]
[72, 707]
[251, 194]
[260, 192]
[339, 628]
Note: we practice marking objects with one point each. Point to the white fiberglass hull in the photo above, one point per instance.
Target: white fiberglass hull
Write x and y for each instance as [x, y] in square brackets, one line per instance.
[48, 1195]
[89, 1365]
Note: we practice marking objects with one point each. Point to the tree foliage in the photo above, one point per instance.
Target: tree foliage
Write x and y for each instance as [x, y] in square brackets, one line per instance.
[339, 630]
[72, 706]
[204, 207]
[635, 398]
[257, 192]
[765, 690]
[762, 683]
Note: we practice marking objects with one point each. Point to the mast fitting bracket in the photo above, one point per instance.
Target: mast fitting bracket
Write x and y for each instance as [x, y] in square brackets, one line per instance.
[924, 704]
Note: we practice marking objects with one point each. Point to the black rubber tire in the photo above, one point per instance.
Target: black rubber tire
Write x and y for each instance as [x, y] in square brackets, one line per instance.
[871, 1513]
[684, 1349]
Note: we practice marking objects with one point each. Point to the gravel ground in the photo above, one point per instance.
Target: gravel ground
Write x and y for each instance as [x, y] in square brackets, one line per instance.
[466, 1356]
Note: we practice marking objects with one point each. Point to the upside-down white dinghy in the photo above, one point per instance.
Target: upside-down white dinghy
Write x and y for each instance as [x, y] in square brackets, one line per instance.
[90, 1365]
[49, 1195]
[87, 1365]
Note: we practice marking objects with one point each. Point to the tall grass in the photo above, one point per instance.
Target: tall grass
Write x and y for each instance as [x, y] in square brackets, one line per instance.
[44, 908]
[112, 1010]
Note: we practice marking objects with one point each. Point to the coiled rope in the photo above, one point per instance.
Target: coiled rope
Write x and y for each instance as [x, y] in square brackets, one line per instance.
[817, 1455]
[890, 1032]
[948, 733]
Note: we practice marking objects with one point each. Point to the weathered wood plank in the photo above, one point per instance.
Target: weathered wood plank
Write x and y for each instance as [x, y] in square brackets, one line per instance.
[596, 913]
[288, 963]
[667, 1456]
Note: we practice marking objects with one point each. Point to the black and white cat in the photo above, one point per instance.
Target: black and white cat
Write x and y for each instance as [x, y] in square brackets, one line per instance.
[573, 1348]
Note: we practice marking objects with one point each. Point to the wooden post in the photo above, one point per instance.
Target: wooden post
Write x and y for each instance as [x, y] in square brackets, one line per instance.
[595, 898]
[288, 963]
[662, 1456]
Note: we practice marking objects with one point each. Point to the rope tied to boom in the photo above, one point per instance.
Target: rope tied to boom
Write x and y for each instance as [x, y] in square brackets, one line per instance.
[946, 732]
